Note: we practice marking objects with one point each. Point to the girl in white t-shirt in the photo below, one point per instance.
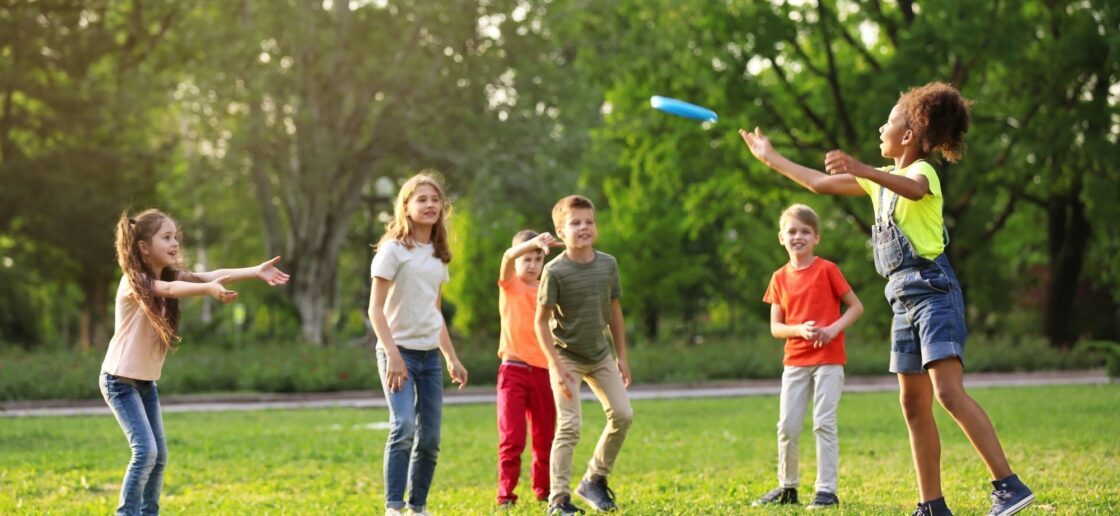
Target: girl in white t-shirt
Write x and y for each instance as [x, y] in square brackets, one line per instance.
[404, 307]
[147, 321]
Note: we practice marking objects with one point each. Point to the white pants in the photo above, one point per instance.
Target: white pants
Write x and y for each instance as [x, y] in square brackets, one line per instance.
[824, 383]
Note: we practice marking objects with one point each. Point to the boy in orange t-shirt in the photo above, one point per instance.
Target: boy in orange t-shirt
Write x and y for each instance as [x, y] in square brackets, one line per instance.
[523, 382]
[804, 297]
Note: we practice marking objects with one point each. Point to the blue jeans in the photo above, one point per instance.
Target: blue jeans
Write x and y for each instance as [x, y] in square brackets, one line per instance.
[415, 416]
[135, 403]
[929, 323]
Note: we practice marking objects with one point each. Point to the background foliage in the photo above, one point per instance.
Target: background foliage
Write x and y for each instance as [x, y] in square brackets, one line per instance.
[283, 128]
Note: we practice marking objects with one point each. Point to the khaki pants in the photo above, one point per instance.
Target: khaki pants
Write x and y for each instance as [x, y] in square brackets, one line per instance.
[823, 384]
[606, 382]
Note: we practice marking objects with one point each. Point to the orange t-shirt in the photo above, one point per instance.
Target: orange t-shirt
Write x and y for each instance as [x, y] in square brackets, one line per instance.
[810, 294]
[517, 304]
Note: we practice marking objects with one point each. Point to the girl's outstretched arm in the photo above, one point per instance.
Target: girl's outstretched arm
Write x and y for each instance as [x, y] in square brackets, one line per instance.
[266, 272]
[180, 289]
[813, 180]
[912, 186]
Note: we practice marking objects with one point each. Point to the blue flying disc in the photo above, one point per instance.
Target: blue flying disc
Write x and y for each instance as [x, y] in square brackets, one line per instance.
[682, 108]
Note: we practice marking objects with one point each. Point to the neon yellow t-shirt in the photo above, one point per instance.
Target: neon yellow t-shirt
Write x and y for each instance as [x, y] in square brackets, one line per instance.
[921, 221]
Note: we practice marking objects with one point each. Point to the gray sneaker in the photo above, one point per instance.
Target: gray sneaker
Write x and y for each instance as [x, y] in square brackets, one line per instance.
[778, 496]
[824, 500]
[595, 492]
[563, 507]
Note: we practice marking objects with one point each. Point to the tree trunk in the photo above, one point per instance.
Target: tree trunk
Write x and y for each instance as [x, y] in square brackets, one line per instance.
[650, 320]
[1069, 233]
[93, 317]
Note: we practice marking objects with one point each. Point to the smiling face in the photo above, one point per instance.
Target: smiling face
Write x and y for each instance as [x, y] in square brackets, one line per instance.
[162, 249]
[894, 135]
[425, 206]
[798, 238]
[578, 229]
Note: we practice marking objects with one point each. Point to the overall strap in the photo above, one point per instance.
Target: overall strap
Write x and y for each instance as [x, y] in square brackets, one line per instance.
[888, 200]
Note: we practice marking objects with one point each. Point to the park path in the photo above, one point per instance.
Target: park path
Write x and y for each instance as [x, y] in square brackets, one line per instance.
[486, 394]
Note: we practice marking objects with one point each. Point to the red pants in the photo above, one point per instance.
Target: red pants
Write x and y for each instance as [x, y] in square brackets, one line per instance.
[524, 390]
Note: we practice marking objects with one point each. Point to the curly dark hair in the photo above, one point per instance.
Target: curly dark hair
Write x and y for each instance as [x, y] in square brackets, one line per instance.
[938, 115]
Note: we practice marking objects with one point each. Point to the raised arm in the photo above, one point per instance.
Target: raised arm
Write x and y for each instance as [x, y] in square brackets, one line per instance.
[543, 242]
[266, 272]
[813, 180]
[912, 186]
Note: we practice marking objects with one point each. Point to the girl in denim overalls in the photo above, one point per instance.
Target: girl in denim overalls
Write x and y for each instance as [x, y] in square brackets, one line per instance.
[928, 331]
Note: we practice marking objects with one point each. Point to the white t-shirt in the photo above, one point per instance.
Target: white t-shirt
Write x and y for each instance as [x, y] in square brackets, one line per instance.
[410, 307]
[135, 350]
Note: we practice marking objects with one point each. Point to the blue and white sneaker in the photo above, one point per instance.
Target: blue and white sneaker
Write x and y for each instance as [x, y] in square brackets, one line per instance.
[1009, 496]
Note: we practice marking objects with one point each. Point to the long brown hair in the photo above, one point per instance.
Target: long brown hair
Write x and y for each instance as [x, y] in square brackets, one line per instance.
[163, 312]
[401, 229]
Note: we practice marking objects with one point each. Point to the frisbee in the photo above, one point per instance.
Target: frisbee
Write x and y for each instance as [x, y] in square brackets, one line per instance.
[682, 108]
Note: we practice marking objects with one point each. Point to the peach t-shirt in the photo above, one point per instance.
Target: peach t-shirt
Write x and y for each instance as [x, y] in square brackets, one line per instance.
[517, 303]
[134, 351]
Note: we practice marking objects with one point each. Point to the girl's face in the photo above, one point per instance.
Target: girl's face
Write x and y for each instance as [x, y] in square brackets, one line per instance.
[162, 249]
[528, 266]
[425, 206]
[894, 135]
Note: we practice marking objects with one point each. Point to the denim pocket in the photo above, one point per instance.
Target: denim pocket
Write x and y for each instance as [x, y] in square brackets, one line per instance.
[936, 279]
[887, 248]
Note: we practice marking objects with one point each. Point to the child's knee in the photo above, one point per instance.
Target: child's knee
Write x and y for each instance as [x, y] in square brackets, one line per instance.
[622, 417]
[952, 399]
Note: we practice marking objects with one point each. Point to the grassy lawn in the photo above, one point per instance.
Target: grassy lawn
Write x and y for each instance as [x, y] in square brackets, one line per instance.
[682, 457]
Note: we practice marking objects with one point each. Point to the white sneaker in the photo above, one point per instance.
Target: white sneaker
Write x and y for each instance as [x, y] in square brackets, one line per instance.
[393, 512]
[423, 512]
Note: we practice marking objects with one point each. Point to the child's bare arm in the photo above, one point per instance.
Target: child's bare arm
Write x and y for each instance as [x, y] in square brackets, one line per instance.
[618, 335]
[395, 371]
[912, 186]
[543, 242]
[780, 330]
[266, 272]
[180, 289]
[813, 180]
[454, 366]
[560, 376]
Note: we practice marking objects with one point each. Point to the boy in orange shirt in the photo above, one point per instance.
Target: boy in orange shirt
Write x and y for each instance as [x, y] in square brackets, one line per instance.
[804, 297]
[523, 382]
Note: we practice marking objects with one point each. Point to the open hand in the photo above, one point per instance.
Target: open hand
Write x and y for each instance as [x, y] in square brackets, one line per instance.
[268, 273]
[217, 289]
[758, 143]
[839, 162]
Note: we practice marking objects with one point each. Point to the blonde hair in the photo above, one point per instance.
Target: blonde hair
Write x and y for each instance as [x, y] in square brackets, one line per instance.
[565, 206]
[802, 213]
[401, 229]
[163, 312]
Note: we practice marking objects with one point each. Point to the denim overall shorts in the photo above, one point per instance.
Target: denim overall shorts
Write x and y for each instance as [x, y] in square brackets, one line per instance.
[924, 294]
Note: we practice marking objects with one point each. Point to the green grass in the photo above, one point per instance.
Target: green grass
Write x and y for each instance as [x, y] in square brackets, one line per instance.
[710, 456]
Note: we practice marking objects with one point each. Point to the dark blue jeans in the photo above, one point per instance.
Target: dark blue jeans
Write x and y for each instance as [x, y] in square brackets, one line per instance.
[415, 417]
[135, 403]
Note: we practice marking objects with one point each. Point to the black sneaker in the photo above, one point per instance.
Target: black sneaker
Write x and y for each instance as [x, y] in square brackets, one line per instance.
[595, 492]
[563, 507]
[824, 500]
[933, 508]
[778, 496]
[1010, 496]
